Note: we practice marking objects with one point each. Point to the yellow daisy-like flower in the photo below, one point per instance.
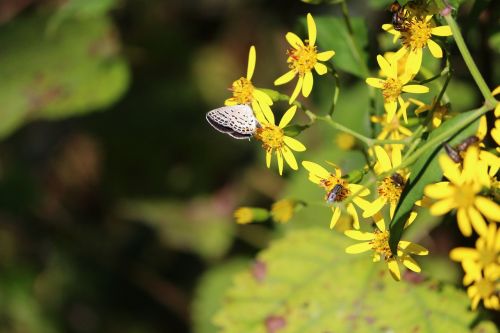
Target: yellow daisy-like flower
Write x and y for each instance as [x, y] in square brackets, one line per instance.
[485, 285]
[244, 92]
[245, 215]
[378, 242]
[393, 56]
[415, 37]
[485, 254]
[302, 58]
[274, 140]
[330, 181]
[462, 192]
[441, 112]
[282, 211]
[392, 129]
[394, 85]
[390, 188]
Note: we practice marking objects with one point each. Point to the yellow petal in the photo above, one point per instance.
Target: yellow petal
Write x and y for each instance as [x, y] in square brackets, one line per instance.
[443, 30]
[355, 188]
[294, 40]
[383, 159]
[463, 222]
[251, 62]
[435, 49]
[268, 158]
[358, 248]
[262, 97]
[464, 253]
[385, 66]
[488, 208]
[308, 84]
[320, 68]
[297, 89]
[289, 158]
[477, 221]
[411, 264]
[496, 91]
[450, 169]
[390, 108]
[280, 162]
[394, 269]
[359, 235]
[287, 117]
[396, 157]
[335, 217]
[311, 28]
[354, 214]
[439, 190]
[374, 82]
[294, 144]
[287, 77]
[268, 114]
[316, 169]
[325, 56]
[415, 89]
[413, 248]
[374, 207]
[402, 109]
[257, 111]
[414, 61]
[442, 207]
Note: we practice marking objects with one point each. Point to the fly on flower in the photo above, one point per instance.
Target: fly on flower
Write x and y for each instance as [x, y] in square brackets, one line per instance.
[238, 121]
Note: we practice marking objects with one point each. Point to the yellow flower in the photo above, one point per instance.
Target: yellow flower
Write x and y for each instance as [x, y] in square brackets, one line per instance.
[244, 92]
[485, 286]
[392, 129]
[390, 188]
[394, 86]
[274, 139]
[415, 37]
[282, 211]
[302, 58]
[486, 253]
[462, 192]
[440, 111]
[328, 181]
[245, 215]
[378, 242]
[392, 56]
[345, 141]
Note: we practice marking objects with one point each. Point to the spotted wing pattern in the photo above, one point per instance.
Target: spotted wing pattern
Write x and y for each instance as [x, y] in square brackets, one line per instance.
[237, 120]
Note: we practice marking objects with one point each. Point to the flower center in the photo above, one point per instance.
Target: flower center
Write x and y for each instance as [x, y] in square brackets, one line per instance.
[302, 59]
[329, 183]
[380, 244]
[271, 136]
[417, 34]
[464, 195]
[391, 89]
[242, 90]
[391, 188]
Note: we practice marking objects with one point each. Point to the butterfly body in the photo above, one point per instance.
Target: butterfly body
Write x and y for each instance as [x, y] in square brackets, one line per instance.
[238, 121]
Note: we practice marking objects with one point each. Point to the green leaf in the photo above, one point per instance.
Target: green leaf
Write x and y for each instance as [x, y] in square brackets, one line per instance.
[350, 55]
[74, 71]
[311, 285]
[209, 294]
[424, 171]
[494, 42]
[198, 226]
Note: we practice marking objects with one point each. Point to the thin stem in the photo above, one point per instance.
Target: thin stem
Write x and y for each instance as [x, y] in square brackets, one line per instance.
[337, 91]
[471, 65]
[366, 140]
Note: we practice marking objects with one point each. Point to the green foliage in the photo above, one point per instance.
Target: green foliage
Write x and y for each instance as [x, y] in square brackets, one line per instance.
[311, 285]
[350, 53]
[73, 71]
[198, 227]
[424, 171]
[210, 291]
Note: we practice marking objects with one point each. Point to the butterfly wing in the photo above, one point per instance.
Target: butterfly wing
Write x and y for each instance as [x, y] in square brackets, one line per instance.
[237, 121]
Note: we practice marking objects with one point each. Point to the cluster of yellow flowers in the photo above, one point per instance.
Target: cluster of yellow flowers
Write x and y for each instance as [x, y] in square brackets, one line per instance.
[471, 189]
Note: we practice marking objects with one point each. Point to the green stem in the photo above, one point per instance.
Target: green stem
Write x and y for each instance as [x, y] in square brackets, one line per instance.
[337, 91]
[471, 65]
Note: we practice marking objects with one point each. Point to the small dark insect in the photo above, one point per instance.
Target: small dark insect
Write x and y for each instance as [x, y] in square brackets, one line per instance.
[462, 146]
[398, 180]
[332, 195]
[398, 16]
[452, 153]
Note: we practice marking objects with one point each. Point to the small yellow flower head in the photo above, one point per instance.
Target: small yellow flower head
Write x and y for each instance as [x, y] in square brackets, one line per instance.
[303, 57]
[273, 139]
[462, 192]
[244, 92]
[485, 285]
[441, 111]
[393, 129]
[415, 37]
[245, 215]
[378, 242]
[394, 85]
[391, 187]
[345, 141]
[282, 211]
[328, 181]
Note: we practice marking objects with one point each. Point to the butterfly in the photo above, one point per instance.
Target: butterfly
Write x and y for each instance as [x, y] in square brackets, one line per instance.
[237, 121]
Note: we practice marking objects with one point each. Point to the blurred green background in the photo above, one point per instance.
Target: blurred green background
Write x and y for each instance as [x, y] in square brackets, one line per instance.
[115, 194]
